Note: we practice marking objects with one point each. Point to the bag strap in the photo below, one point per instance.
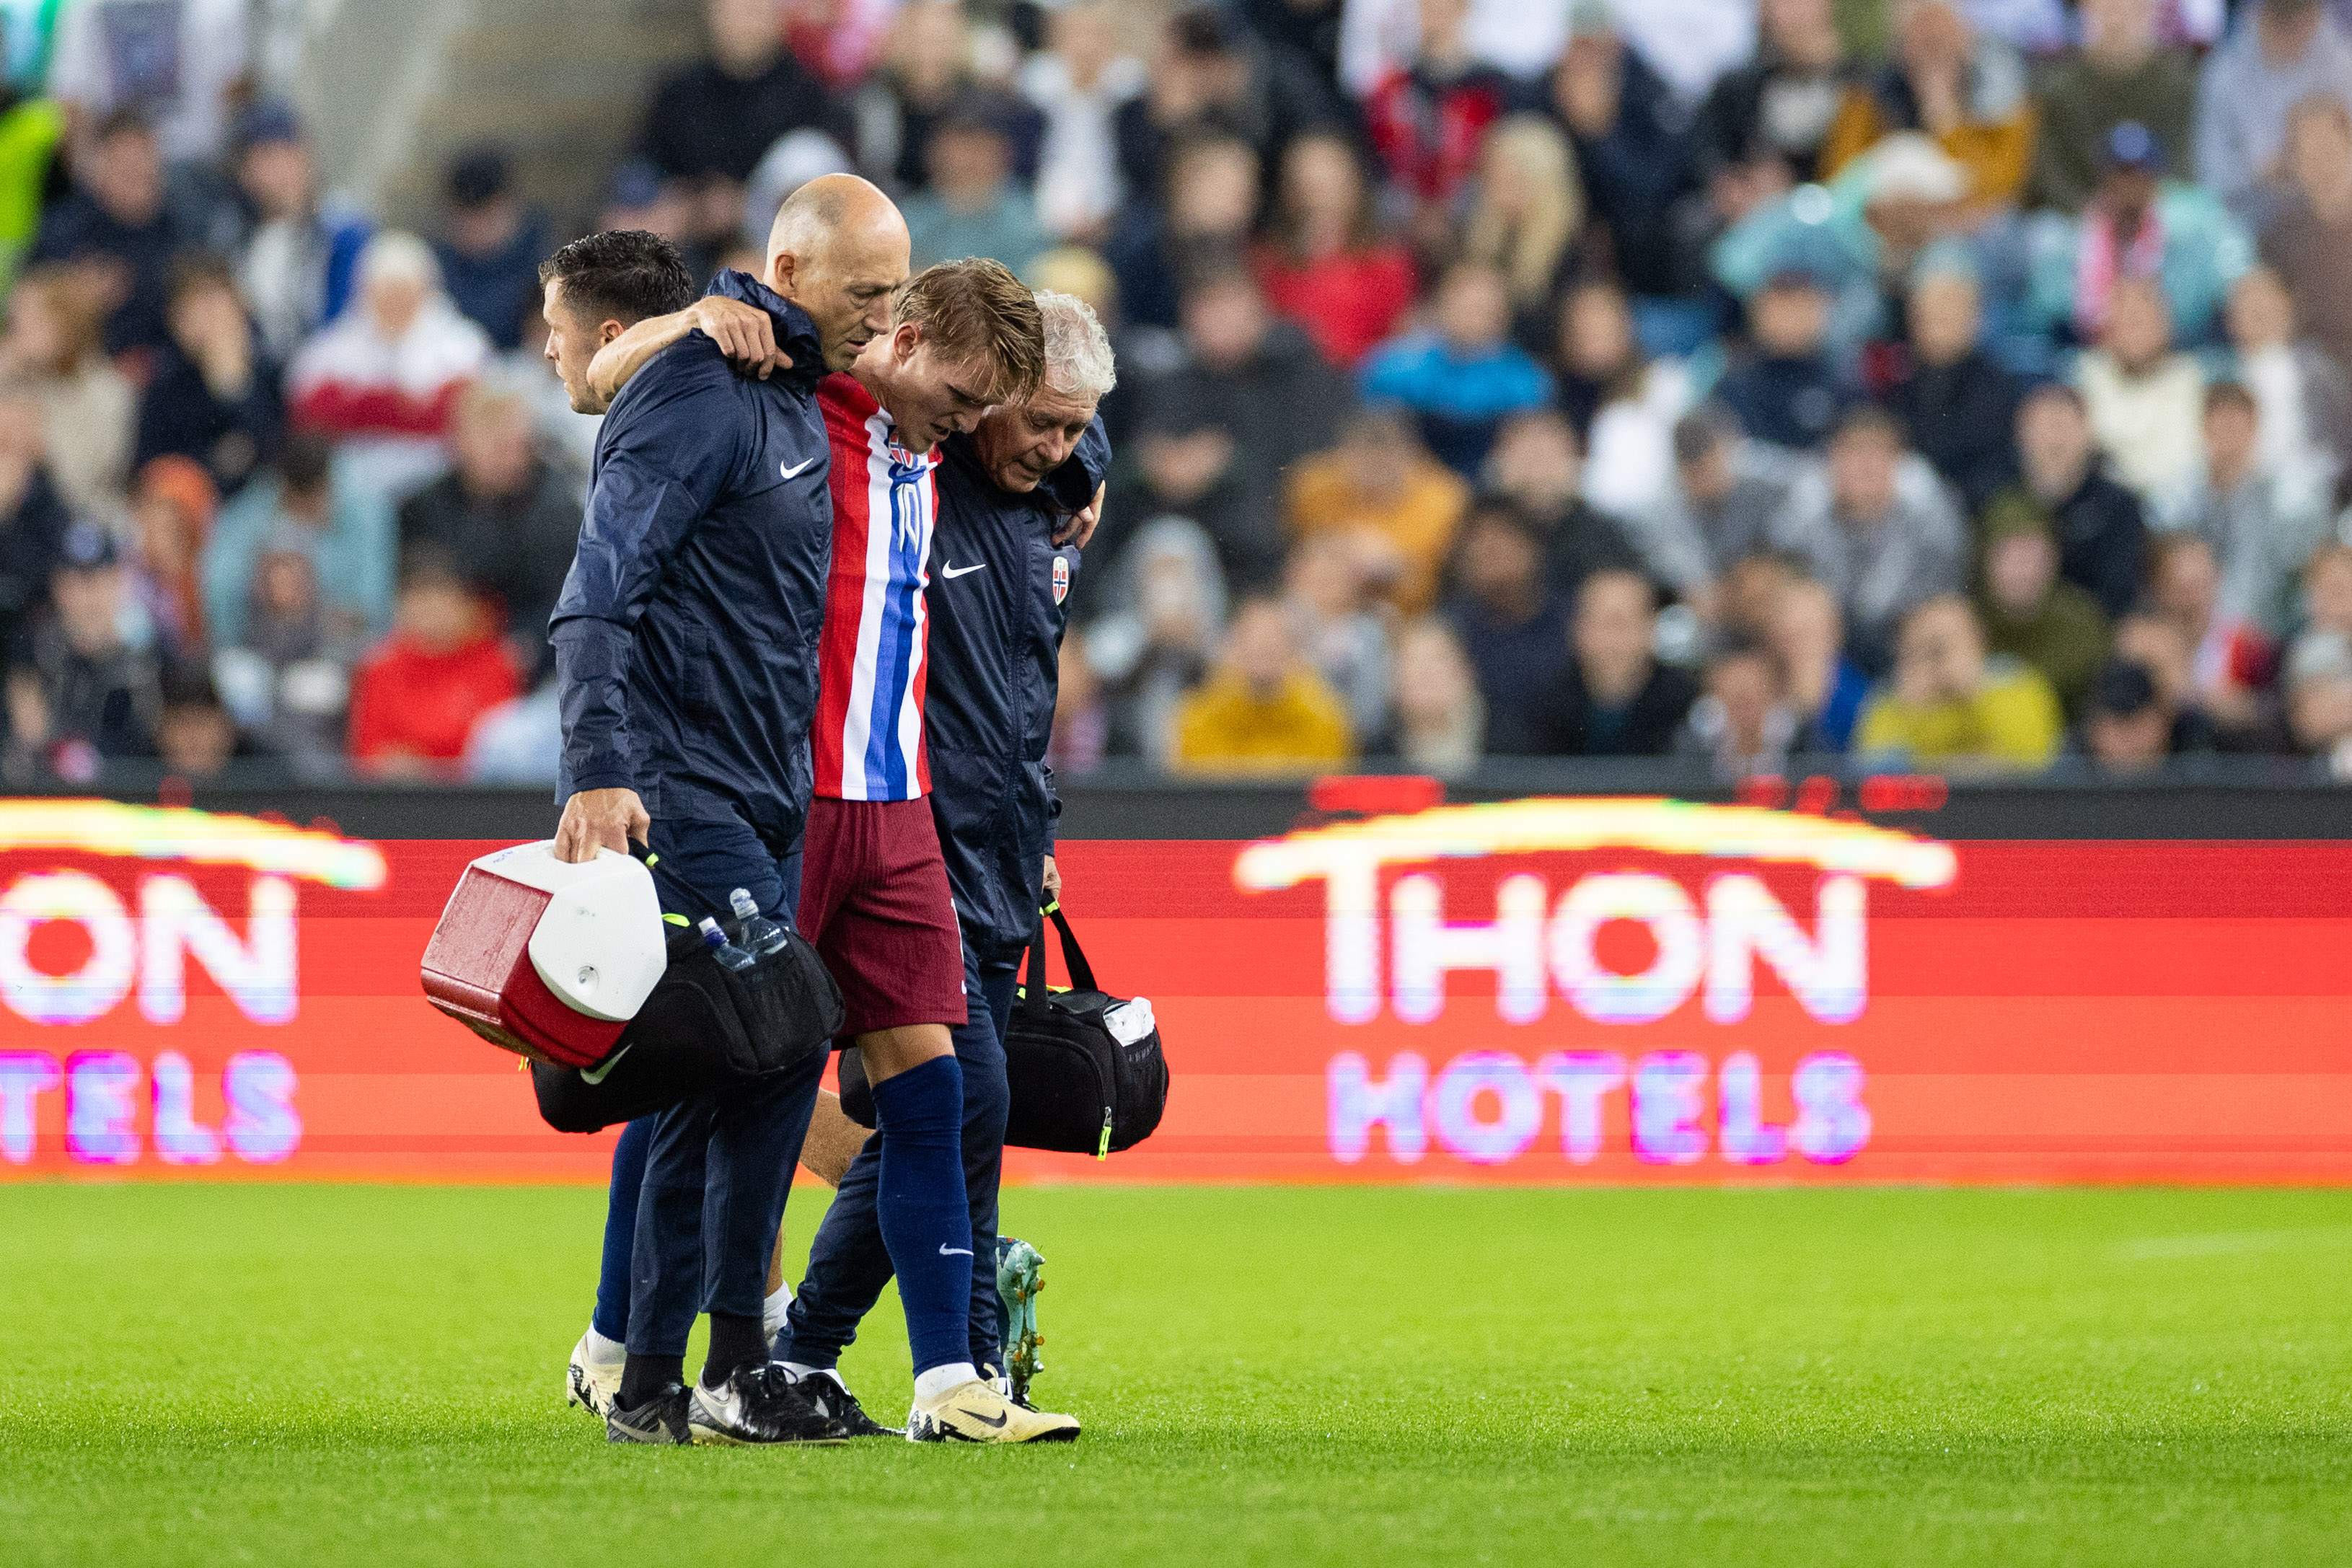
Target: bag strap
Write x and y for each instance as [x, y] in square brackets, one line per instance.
[1073, 958]
[691, 895]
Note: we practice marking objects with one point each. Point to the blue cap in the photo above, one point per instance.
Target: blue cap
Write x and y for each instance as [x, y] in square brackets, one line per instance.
[86, 548]
[2132, 145]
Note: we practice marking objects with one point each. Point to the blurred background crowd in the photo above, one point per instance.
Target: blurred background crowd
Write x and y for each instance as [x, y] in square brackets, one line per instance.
[1960, 384]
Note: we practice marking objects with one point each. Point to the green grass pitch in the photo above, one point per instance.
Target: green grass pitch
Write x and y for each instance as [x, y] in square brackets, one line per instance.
[217, 1375]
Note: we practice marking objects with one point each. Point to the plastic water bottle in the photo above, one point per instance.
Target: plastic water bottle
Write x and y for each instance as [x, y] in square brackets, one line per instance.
[760, 934]
[729, 955]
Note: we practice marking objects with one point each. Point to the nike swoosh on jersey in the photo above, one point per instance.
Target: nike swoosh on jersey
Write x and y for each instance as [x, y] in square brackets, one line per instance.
[947, 1251]
[795, 471]
[952, 572]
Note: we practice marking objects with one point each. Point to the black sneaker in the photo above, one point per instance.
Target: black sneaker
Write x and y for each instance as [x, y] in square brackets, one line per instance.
[832, 1399]
[661, 1419]
[758, 1405]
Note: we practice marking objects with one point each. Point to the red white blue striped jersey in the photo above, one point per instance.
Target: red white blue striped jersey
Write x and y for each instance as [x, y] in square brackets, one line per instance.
[871, 660]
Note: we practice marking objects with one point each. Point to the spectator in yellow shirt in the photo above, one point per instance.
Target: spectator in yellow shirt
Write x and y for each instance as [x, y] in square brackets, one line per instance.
[1381, 478]
[1265, 710]
[1953, 709]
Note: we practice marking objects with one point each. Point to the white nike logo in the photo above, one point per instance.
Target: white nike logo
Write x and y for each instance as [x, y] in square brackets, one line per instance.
[952, 572]
[796, 469]
[947, 1251]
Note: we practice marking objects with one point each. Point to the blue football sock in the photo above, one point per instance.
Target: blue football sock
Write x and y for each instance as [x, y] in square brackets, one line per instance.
[612, 1315]
[926, 1224]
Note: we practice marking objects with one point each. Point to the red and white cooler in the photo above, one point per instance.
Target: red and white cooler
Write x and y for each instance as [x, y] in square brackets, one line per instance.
[547, 958]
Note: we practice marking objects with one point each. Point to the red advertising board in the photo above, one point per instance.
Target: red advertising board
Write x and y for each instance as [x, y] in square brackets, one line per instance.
[1541, 992]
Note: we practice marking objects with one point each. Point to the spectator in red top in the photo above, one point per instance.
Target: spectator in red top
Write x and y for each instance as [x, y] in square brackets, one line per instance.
[1427, 120]
[381, 380]
[1326, 266]
[2232, 665]
[421, 690]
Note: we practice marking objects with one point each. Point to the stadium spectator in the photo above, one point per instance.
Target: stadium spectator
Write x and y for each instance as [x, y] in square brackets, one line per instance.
[519, 742]
[1825, 690]
[1953, 707]
[215, 395]
[2328, 590]
[1165, 613]
[711, 122]
[1627, 129]
[1628, 403]
[383, 378]
[1599, 352]
[195, 735]
[1207, 69]
[2310, 233]
[504, 518]
[1440, 721]
[1079, 83]
[2304, 398]
[1524, 221]
[172, 516]
[2319, 701]
[2029, 612]
[2231, 665]
[971, 206]
[1784, 388]
[287, 680]
[1535, 466]
[1382, 479]
[52, 352]
[33, 519]
[2154, 642]
[417, 694]
[1326, 583]
[2139, 226]
[2101, 530]
[1160, 248]
[78, 693]
[2279, 53]
[2261, 521]
[304, 503]
[180, 63]
[1263, 710]
[1743, 725]
[929, 67]
[1957, 403]
[1324, 264]
[1966, 89]
[1511, 622]
[1718, 509]
[2127, 724]
[1081, 736]
[1612, 698]
[1747, 596]
[1874, 523]
[1251, 399]
[117, 231]
[489, 246]
[2121, 74]
[1427, 118]
[2144, 398]
[1465, 378]
[299, 262]
[1762, 128]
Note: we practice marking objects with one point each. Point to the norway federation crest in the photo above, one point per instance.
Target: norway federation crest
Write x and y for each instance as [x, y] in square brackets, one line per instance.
[1061, 578]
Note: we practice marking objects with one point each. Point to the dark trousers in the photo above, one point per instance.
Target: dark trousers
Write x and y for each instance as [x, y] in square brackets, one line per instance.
[848, 1264]
[718, 1167]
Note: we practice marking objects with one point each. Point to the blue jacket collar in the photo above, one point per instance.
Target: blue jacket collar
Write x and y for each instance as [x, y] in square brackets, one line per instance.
[795, 334]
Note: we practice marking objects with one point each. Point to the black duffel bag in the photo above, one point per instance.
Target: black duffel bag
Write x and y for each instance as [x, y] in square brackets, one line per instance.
[705, 1027]
[1074, 1087]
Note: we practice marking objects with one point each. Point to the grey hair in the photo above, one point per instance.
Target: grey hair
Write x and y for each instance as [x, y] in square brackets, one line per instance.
[1078, 350]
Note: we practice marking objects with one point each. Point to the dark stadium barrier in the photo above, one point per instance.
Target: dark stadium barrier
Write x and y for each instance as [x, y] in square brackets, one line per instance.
[1820, 978]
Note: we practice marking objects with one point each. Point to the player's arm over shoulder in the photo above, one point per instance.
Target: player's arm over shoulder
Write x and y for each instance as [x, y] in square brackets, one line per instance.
[744, 335]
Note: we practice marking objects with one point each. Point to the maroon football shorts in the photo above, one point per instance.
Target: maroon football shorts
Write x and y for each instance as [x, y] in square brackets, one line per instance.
[875, 899]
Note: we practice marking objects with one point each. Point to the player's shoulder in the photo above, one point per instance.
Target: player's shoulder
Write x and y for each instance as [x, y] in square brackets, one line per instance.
[690, 375]
[846, 403]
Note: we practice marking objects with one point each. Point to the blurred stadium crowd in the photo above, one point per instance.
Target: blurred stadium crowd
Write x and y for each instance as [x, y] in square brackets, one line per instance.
[1962, 383]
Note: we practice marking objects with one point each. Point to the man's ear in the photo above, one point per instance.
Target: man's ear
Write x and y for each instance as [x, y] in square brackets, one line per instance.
[782, 268]
[608, 332]
[905, 338]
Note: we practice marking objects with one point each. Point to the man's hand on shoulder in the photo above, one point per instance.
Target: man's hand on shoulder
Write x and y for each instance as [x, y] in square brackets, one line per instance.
[745, 333]
[597, 819]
